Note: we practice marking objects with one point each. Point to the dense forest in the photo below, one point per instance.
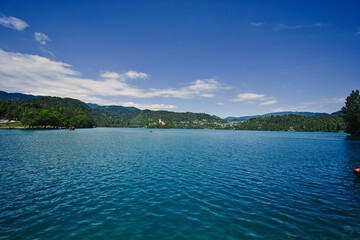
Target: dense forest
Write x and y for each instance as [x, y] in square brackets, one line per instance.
[41, 115]
[292, 122]
[55, 112]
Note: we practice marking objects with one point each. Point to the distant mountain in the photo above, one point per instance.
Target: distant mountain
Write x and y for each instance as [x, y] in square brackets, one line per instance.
[20, 96]
[93, 105]
[338, 113]
[244, 118]
[240, 119]
[214, 116]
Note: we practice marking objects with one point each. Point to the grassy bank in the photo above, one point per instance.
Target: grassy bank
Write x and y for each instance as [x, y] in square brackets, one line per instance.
[16, 124]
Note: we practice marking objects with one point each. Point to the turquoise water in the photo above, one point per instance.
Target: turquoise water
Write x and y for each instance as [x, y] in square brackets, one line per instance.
[110, 183]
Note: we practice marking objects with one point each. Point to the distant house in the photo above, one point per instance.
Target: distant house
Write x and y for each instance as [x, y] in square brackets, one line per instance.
[291, 129]
[161, 122]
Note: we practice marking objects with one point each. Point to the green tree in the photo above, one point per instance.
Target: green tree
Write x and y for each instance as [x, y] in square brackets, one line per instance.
[351, 112]
[9, 109]
[82, 121]
[30, 117]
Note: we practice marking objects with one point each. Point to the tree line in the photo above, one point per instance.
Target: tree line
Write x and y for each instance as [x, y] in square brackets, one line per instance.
[34, 115]
[292, 122]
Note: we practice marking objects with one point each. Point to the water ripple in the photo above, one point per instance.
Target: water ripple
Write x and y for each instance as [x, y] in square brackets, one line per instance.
[177, 184]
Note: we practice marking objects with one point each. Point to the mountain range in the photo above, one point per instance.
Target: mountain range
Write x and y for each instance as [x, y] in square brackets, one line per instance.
[113, 116]
[128, 114]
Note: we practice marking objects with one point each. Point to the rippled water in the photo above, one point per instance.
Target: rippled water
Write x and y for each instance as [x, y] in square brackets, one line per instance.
[178, 184]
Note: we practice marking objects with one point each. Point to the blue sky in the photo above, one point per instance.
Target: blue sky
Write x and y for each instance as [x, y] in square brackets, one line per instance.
[228, 58]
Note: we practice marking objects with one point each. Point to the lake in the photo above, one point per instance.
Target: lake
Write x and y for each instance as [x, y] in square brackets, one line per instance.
[113, 183]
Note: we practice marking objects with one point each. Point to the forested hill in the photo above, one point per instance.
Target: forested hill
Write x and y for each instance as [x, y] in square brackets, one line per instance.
[177, 120]
[57, 112]
[120, 113]
[292, 122]
[134, 117]
[70, 103]
[307, 114]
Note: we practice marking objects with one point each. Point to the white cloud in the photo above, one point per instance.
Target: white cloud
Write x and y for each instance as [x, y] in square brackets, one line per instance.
[268, 102]
[135, 75]
[110, 75]
[124, 76]
[204, 88]
[242, 97]
[13, 23]
[41, 38]
[260, 99]
[38, 75]
[257, 24]
[220, 103]
[146, 106]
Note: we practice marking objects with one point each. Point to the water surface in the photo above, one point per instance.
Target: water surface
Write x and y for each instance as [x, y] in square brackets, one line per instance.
[178, 184]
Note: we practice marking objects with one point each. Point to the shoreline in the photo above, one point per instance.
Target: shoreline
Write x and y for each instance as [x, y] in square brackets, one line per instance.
[25, 128]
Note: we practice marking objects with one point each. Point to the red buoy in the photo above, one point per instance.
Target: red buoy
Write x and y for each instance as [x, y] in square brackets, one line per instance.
[356, 171]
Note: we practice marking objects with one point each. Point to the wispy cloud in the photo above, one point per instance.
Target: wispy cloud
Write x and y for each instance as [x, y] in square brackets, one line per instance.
[124, 76]
[268, 102]
[42, 38]
[289, 109]
[42, 76]
[313, 105]
[110, 75]
[257, 24]
[260, 99]
[281, 26]
[136, 75]
[242, 97]
[317, 25]
[326, 101]
[46, 51]
[142, 106]
[13, 23]
[220, 103]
